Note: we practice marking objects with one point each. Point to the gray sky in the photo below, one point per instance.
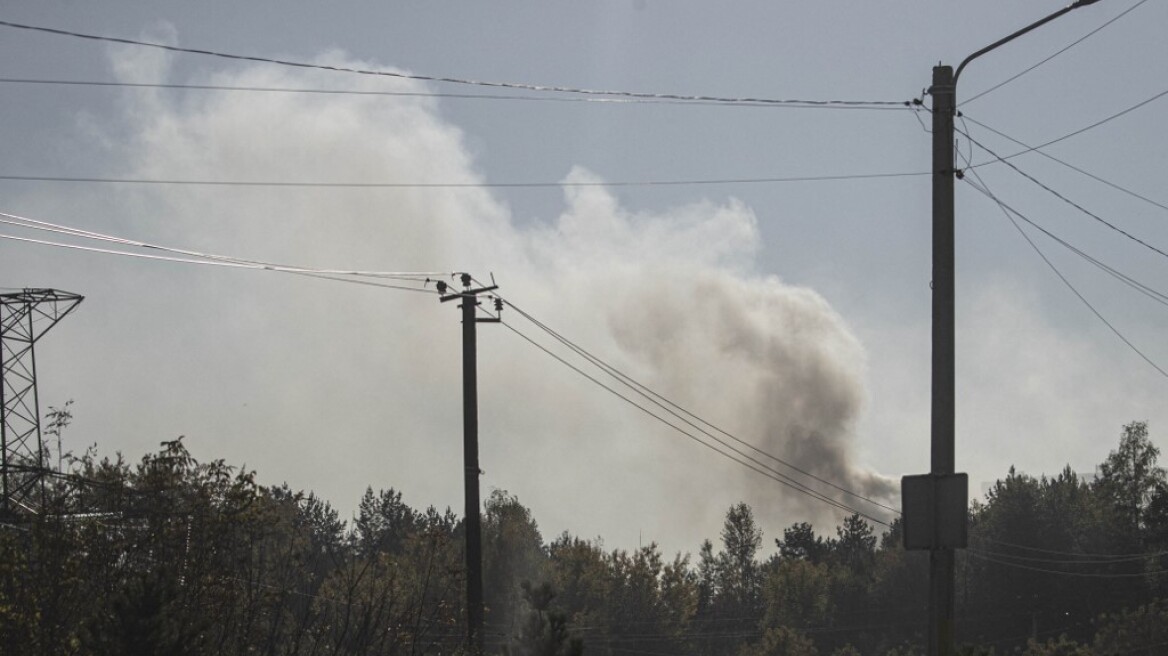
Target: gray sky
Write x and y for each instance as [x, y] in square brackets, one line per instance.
[794, 314]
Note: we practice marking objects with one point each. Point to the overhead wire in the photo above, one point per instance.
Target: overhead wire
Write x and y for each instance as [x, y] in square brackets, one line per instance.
[1009, 215]
[1057, 552]
[1056, 54]
[1096, 575]
[164, 258]
[740, 457]
[710, 624]
[25, 222]
[450, 80]
[1148, 291]
[1072, 561]
[1152, 293]
[464, 185]
[1077, 132]
[36, 224]
[1123, 338]
[1063, 198]
[108, 251]
[367, 278]
[424, 94]
[1077, 169]
[674, 409]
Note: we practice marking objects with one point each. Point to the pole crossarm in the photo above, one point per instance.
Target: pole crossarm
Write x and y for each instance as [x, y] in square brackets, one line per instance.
[469, 293]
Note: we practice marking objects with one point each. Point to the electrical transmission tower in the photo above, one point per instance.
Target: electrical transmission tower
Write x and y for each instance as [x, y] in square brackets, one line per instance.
[25, 317]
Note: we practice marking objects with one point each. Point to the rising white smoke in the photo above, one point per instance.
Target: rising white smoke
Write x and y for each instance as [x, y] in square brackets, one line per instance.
[335, 387]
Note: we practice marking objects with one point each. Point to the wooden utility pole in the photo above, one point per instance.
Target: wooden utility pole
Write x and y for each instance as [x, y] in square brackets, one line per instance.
[470, 456]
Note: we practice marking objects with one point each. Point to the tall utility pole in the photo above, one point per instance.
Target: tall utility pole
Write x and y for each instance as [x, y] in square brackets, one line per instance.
[942, 608]
[939, 491]
[470, 454]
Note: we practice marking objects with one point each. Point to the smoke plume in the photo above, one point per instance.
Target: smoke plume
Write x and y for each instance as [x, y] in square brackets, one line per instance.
[334, 387]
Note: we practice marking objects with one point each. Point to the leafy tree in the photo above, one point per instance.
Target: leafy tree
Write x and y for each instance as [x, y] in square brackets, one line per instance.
[730, 585]
[739, 577]
[1129, 477]
[578, 569]
[797, 594]
[1140, 632]
[707, 576]
[898, 594]
[678, 591]
[513, 552]
[906, 649]
[781, 641]
[383, 522]
[1011, 516]
[855, 546]
[544, 632]
[173, 555]
[800, 542]
[1063, 646]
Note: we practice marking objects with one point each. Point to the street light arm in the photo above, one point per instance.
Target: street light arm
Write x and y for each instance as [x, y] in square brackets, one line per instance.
[1015, 35]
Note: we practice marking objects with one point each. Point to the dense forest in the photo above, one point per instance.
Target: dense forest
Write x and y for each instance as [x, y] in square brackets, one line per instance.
[175, 556]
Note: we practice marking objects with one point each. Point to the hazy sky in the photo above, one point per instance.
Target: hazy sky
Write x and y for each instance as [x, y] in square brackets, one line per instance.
[794, 314]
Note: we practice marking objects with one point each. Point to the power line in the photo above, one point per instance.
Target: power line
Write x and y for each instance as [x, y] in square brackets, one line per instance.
[454, 80]
[163, 258]
[1023, 547]
[426, 94]
[252, 264]
[666, 404]
[1063, 198]
[1097, 575]
[1009, 212]
[461, 185]
[35, 224]
[1056, 54]
[1067, 282]
[208, 259]
[1079, 131]
[1150, 292]
[746, 460]
[1030, 148]
[1069, 561]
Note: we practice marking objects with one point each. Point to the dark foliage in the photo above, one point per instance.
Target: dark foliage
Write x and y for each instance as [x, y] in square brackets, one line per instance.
[174, 556]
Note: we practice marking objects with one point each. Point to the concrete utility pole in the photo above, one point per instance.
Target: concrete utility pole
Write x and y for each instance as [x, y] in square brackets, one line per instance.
[942, 607]
[470, 455]
[937, 517]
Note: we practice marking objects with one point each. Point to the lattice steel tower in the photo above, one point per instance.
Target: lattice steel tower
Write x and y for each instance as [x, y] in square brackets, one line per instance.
[25, 317]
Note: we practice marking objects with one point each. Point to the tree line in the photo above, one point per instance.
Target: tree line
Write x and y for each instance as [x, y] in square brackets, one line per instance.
[170, 555]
